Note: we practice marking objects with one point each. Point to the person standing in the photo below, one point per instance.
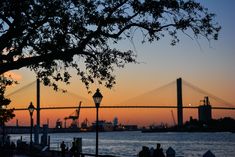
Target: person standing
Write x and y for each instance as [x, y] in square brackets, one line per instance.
[62, 146]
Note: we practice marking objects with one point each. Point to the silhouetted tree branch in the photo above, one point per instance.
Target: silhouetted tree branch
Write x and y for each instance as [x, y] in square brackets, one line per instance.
[51, 36]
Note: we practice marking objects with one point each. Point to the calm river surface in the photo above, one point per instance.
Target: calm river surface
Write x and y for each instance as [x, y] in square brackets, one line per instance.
[128, 144]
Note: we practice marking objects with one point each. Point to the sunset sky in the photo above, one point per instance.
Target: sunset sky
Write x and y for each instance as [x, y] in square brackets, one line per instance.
[207, 65]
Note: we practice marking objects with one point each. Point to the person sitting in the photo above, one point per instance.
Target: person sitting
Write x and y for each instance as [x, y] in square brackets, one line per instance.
[158, 152]
[144, 152]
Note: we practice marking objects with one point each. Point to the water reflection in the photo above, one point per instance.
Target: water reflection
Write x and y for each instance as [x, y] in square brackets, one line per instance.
[128, 144]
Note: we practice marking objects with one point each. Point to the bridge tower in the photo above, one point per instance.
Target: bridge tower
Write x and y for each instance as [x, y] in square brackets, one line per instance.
[37, 130]
[179, 102]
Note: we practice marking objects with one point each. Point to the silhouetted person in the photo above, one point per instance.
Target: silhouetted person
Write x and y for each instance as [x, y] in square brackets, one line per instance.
[13, 146]
[144, 152]
[62, 146]
[151, 152]
[158, 152]
[73, 150]
[8, 141]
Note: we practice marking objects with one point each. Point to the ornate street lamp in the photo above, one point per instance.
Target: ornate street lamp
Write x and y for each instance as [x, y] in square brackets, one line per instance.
[97, 97]
[31, 108]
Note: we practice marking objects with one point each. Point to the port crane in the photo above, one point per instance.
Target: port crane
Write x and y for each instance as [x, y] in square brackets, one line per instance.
[74, 117]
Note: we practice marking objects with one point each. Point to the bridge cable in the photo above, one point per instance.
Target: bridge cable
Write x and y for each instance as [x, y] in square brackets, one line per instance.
[20, 89]
[208, 94]
[155, 91]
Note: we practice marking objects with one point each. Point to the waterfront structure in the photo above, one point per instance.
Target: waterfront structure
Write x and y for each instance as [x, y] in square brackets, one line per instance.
[204, 111]
[130, 127]
[103, 126]
[58, 124]
[115, 122]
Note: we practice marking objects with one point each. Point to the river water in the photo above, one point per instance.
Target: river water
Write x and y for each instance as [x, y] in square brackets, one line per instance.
[128, 144]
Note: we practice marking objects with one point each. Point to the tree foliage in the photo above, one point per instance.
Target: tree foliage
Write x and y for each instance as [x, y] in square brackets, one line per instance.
[51, 36]
[5, 114]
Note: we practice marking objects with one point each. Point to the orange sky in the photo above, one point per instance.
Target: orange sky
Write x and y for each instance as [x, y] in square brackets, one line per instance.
[142, 117]
[208, 65]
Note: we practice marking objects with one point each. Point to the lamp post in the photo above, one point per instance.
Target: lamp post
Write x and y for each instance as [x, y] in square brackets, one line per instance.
[97, 97]
[31, 108]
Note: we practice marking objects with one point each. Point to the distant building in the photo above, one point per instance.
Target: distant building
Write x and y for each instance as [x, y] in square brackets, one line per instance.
[58, 124]
[16, 129]
[130, 127]
[103, 125]
[115, 122]
[85, 125]
[204, 111]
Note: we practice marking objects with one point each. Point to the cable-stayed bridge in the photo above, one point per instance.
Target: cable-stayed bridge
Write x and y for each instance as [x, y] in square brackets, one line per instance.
[176, 95]
[166, 95]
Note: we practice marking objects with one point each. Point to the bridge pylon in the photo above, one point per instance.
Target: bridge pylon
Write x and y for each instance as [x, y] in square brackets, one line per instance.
[179, 102]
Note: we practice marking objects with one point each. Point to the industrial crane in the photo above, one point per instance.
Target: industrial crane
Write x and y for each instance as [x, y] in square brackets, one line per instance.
[74, 117]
